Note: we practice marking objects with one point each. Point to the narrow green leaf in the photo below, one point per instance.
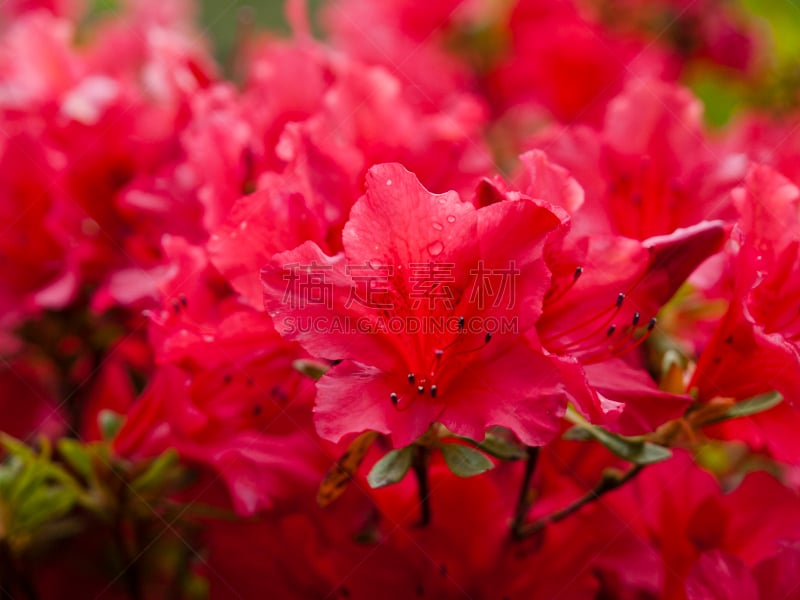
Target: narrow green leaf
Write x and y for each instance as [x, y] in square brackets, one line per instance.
[465, 461]
[500, 443]
[634, 450]
[76, 456]
[752, 406]
[391, 468]
[16, 447]
[43, 505]
[158, 474]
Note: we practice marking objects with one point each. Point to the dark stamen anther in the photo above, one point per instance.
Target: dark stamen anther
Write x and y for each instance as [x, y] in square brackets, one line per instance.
[610, 331]
[438, 353]
[411, 378]
[433, 391]
[393, 398]
[636, 317]
[578, 273]
[183, 300]
[651, 324]
[176, 306]
[488, 338]
[461, 322]
[620, 299]
[421, 389]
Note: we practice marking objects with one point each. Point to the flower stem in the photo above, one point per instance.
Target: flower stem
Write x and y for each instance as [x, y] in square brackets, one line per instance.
[420, 466]
[611, 481]
[525, 497]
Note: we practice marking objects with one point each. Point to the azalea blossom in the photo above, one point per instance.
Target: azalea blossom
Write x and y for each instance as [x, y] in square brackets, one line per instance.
[398, 235]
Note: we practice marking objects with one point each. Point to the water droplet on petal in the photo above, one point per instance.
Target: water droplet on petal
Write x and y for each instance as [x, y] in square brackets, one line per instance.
[437, 226]
[388, 182]
[451, 218]
[435, 248]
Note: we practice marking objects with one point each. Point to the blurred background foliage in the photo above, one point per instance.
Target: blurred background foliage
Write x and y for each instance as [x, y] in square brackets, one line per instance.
[722, 93]
[225, 19]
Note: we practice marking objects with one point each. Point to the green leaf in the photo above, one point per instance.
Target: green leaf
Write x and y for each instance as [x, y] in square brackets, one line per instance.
[44, 504]
[76, 456]
[500, 443]
[310, 368]
[465, 461]
[751, 406]
[16, 448]
[159, 474]
[110, 423]
[391, 468]
[635, 450]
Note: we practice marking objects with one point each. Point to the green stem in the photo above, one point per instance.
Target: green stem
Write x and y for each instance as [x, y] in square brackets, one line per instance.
[420, 466]
[610, 481]
[525, 498]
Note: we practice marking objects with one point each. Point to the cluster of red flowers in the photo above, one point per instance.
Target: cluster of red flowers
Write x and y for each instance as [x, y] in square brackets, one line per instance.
[463, 301]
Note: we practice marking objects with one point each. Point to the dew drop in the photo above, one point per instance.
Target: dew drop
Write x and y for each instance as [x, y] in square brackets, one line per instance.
[435, 248]
[437, 226]
[451, 218]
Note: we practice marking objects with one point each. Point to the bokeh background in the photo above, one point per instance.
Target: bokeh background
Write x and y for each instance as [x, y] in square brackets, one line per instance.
[723, 95]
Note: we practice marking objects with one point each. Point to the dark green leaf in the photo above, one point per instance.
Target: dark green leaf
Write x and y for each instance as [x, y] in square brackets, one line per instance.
[44, 504]
[634, 450]
[751, 406]
[391, 468]
[500, 443]
[76, 456]
[159, 474]
[465, 461]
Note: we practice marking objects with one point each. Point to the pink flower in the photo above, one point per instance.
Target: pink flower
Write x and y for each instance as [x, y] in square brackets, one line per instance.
[567, 63]
[684, 513]
[601, 306]
[429, 258]
[651, 168]
[224, 393]
[756, 346]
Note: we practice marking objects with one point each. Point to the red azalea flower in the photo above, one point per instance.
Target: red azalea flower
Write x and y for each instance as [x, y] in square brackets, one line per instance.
[408, 39]
[684, 513]
[651, 168]
[418, 260]
[71, 9]
[605, 294]
[566, 63]
[602, 307]
[308, 201]
[225, 393]
[756, 347]
[720, 575]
